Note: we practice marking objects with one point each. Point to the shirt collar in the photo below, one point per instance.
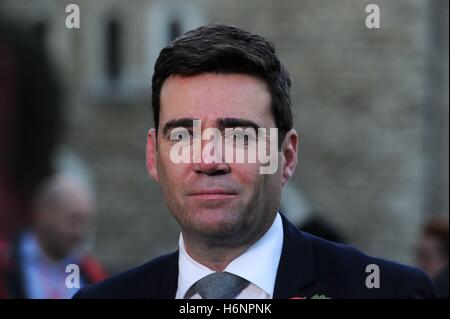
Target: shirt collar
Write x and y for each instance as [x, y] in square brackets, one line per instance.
[267, 248]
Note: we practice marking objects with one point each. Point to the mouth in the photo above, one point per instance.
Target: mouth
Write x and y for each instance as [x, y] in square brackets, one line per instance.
[212, 194]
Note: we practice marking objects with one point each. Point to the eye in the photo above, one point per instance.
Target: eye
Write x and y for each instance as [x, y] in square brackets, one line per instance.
[243, 137]
[180, 135]
[240, 137]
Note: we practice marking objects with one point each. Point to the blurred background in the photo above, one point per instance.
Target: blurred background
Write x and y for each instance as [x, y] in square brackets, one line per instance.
[371, 106]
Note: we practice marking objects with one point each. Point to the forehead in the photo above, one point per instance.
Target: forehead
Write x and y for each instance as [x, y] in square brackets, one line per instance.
[215, 96]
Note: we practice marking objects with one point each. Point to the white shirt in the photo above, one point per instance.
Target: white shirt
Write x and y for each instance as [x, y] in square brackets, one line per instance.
[258, 264]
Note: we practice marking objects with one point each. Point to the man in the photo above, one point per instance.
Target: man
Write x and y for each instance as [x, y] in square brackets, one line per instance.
[234, 243]
[35, 265]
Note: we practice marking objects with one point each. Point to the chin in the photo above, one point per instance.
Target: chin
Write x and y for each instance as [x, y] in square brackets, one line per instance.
[216, 223]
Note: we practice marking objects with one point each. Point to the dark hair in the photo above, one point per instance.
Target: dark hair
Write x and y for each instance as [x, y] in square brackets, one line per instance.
[221, 48]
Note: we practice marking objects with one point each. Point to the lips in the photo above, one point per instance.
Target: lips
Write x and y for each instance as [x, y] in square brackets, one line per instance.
[212, 194]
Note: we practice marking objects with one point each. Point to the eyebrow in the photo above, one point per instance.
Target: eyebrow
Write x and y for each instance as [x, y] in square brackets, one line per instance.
[222, 123]
[231, 122]
[183, 122]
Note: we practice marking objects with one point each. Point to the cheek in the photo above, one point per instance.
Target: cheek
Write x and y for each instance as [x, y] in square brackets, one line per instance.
[260, 186]
[164, 164]
[171, 175]
[247, 174]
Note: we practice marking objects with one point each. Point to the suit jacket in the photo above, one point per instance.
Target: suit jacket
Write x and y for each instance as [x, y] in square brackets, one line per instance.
[309, 267]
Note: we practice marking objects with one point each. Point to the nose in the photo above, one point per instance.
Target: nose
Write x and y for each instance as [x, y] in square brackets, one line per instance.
[211, 165]
[211, 169]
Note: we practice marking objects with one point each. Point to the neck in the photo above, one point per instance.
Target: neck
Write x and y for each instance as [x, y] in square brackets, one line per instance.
[217, 255]
[213, 257]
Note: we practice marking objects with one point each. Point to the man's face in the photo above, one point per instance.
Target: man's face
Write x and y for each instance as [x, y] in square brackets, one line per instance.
[228, 202]
[63, 223]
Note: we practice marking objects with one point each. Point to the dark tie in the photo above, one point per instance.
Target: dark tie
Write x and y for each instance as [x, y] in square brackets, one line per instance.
[218, 285]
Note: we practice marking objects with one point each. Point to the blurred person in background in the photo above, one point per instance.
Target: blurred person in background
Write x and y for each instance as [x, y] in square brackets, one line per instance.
[42, 218]
[35, 264]
[432, 252]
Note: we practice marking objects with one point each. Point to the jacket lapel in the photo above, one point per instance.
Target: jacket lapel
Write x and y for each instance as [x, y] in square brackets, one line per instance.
[297, 268]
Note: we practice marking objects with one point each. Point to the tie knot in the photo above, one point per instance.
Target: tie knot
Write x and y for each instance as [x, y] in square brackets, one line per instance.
[218, 285]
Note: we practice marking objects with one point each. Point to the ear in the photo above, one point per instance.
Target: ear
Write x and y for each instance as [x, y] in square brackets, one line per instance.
[289, 155]
[151, 154]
